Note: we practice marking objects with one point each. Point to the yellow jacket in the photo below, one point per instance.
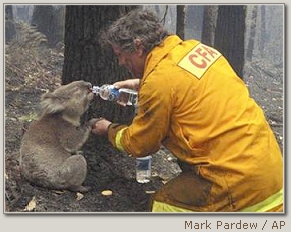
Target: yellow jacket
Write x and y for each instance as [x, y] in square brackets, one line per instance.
[192, 102]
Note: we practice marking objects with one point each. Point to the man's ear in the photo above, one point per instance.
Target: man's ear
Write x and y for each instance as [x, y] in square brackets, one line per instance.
[139, 46]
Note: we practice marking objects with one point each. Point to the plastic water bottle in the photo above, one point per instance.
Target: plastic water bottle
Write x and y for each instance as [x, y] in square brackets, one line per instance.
[110, 93]
[143, 169]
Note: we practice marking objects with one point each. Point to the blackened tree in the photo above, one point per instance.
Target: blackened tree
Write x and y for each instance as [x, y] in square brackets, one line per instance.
[230, 34]
[48, 19]
[10, 30]
[86, 59]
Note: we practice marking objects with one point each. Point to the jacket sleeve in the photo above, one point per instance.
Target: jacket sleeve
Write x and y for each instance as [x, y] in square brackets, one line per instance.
[150, 126]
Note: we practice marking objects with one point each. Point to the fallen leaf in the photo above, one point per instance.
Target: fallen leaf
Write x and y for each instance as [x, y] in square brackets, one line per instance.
[31, 205]
[150, 192]
[107, 192]
[79, 196]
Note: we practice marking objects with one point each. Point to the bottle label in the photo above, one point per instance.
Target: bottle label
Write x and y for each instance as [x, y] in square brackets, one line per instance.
[113, 95]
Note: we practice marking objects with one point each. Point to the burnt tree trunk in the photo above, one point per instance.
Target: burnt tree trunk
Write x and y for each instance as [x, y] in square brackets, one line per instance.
[85, 59]
[251, 41]
[209, 24]
[48, 20]
[10, 30]
[180, 27]
[263, 30]
[230, 34]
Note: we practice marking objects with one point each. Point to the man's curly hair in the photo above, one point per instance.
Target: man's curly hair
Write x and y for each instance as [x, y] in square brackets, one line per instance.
[137, 24]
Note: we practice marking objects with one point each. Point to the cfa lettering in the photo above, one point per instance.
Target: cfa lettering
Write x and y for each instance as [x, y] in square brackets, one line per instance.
[202, 56]
[278, 225]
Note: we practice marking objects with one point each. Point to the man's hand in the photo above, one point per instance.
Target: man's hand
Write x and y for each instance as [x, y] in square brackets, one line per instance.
[101, 127]
[128, 84]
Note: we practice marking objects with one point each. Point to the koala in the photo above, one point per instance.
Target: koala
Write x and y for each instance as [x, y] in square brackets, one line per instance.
[49, 155]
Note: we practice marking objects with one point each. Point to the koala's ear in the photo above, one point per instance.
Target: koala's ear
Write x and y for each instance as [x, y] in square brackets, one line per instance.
[51, 103]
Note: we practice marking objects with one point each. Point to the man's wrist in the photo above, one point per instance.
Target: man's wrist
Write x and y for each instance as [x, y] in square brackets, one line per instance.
[108, 127]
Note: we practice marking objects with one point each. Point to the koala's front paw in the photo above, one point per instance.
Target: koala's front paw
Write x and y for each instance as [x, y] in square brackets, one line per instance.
[78, 152]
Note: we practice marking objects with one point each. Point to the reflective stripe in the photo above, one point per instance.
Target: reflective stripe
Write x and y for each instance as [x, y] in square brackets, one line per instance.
[164, 207]
[269, 203]
[118, 139]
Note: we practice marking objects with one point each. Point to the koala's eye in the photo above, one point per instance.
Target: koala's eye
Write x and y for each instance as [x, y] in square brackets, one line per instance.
[88, 85]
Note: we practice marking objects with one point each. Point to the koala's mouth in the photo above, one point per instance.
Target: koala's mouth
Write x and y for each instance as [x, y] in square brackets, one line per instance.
[90, 95]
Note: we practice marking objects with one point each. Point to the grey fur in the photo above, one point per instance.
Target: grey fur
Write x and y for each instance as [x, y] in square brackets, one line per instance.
[49, 155]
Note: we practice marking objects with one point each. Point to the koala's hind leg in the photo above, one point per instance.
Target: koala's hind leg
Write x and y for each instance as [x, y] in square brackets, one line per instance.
[72, 174]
